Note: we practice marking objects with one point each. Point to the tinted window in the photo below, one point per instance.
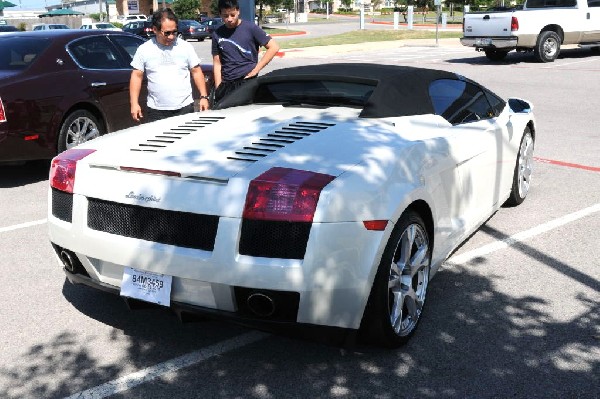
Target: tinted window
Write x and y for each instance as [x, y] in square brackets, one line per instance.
[551, 3]
[95, 53]
[17, 53]
[128, 44]
[315, 92]
[458, 101]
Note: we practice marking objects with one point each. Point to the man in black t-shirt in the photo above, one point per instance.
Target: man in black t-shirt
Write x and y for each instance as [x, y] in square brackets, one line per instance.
[235, 46]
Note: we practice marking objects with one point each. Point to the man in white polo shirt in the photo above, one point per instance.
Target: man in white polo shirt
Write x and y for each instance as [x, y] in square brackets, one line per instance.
[167, 63]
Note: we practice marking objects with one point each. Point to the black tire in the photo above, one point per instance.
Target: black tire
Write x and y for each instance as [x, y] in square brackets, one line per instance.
[201, 39]
[402, 279]
[495, 55]
[78, 127]
[523, 170]
[547, 47]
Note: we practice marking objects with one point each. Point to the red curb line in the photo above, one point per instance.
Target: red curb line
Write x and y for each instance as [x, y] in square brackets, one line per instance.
[567, 164]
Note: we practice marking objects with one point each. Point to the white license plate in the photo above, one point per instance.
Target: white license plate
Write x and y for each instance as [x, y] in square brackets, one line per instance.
[147, 286]
[483, 41]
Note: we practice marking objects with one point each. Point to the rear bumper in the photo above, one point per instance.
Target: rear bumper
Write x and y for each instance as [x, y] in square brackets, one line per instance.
[507, 43]
[186, 312]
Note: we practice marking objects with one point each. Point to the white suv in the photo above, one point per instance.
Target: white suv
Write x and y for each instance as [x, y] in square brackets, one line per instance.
[131, 17]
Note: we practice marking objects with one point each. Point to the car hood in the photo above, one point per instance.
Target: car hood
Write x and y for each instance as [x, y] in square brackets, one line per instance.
[220, 145]
[204, 162]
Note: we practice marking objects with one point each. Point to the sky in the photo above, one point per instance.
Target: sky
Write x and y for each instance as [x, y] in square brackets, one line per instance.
[32, 4]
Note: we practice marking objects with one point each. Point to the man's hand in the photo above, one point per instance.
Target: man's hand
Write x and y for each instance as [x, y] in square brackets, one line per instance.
[136, 112]
[204, 104]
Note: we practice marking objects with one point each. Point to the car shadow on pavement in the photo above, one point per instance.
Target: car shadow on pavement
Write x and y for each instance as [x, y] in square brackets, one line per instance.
[16, 175]
[475, 340]
[514, 57]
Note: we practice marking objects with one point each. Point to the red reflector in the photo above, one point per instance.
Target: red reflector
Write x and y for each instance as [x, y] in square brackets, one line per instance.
[285, 194]
[2, 113]
[375, 224]
[32, 137]
[62, 169]
[514, 24]
[151, 171]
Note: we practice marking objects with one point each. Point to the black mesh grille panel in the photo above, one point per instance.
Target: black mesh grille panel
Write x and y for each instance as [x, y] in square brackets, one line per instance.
[274, 239]
[182, 229]
[62, 205]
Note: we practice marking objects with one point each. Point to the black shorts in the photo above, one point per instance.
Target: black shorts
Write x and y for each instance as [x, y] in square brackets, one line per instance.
[227, 87]
[153, 115]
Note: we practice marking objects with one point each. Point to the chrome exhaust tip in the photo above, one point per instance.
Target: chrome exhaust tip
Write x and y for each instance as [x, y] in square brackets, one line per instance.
[261, 305]
[67, 260]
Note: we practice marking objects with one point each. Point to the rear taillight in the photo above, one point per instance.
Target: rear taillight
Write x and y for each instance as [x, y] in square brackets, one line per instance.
[2, 113]
[514, 24]
[285, 194]
[62, 169]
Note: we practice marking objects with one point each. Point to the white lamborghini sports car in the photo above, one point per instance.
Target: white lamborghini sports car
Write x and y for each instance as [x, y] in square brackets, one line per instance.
[312, 196]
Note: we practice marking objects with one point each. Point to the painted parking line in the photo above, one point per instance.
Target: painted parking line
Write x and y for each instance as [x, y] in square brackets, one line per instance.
[520, 237]
[567, 164]
[22, 225]
[171, 366]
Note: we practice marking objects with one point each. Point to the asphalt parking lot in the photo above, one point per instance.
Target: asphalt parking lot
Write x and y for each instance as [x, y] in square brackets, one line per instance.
[515, 312]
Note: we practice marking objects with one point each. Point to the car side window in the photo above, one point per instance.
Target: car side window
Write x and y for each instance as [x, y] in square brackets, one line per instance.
[95, 52]
[459, 101]
[128, 44]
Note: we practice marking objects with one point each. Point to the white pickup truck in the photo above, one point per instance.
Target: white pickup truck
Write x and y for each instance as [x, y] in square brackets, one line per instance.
[541, 26]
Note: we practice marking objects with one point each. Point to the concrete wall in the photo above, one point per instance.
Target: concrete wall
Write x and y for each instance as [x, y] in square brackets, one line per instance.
[73, 21]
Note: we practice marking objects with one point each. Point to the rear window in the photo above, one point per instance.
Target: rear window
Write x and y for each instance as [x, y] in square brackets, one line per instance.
[550, 3]
[17, 53]
[315, 92]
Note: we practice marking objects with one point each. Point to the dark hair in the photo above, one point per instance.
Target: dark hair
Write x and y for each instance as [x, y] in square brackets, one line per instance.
[224, 4]
[165, 13]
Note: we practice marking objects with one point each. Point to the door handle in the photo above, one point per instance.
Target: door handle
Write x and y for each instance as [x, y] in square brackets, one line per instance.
[98, 84]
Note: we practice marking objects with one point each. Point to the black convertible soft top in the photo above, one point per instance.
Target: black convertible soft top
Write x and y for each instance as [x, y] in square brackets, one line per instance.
[399, 90]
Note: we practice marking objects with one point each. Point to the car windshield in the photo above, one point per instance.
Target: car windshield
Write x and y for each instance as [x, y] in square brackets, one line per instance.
[105, 26]
[58, 27]
[17, 53]
[315, 92]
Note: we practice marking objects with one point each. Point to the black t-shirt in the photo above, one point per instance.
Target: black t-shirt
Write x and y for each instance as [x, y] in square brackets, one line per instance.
[238, 48]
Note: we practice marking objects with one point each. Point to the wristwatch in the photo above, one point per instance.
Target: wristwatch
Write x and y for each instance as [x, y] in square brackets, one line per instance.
[201, 97]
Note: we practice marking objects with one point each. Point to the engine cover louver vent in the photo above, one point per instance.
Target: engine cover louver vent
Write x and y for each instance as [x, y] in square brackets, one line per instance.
[162, 140]
[278, 139]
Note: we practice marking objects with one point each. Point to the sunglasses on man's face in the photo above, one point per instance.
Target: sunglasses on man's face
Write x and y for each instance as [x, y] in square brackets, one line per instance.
[169, 32]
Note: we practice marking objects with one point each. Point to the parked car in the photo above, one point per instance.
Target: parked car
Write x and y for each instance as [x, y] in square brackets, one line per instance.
[123, 19]
[323, 195]
[212, 24]
[50, 26]
[59, 88]
[100, 25]
[140, 28]
[8, 28]
[190, 29]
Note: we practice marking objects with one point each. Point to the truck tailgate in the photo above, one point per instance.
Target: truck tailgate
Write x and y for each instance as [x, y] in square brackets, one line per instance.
[488, 24]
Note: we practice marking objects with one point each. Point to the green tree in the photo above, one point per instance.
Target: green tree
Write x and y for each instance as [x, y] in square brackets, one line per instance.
[186, 9]
[347, 4]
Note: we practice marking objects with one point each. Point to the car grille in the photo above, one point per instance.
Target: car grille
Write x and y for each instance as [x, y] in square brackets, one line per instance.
[182, 229]
[62, 205]
[274, 239]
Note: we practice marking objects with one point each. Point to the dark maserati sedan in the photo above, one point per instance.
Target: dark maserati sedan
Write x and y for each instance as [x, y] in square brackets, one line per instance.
[59, 88]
